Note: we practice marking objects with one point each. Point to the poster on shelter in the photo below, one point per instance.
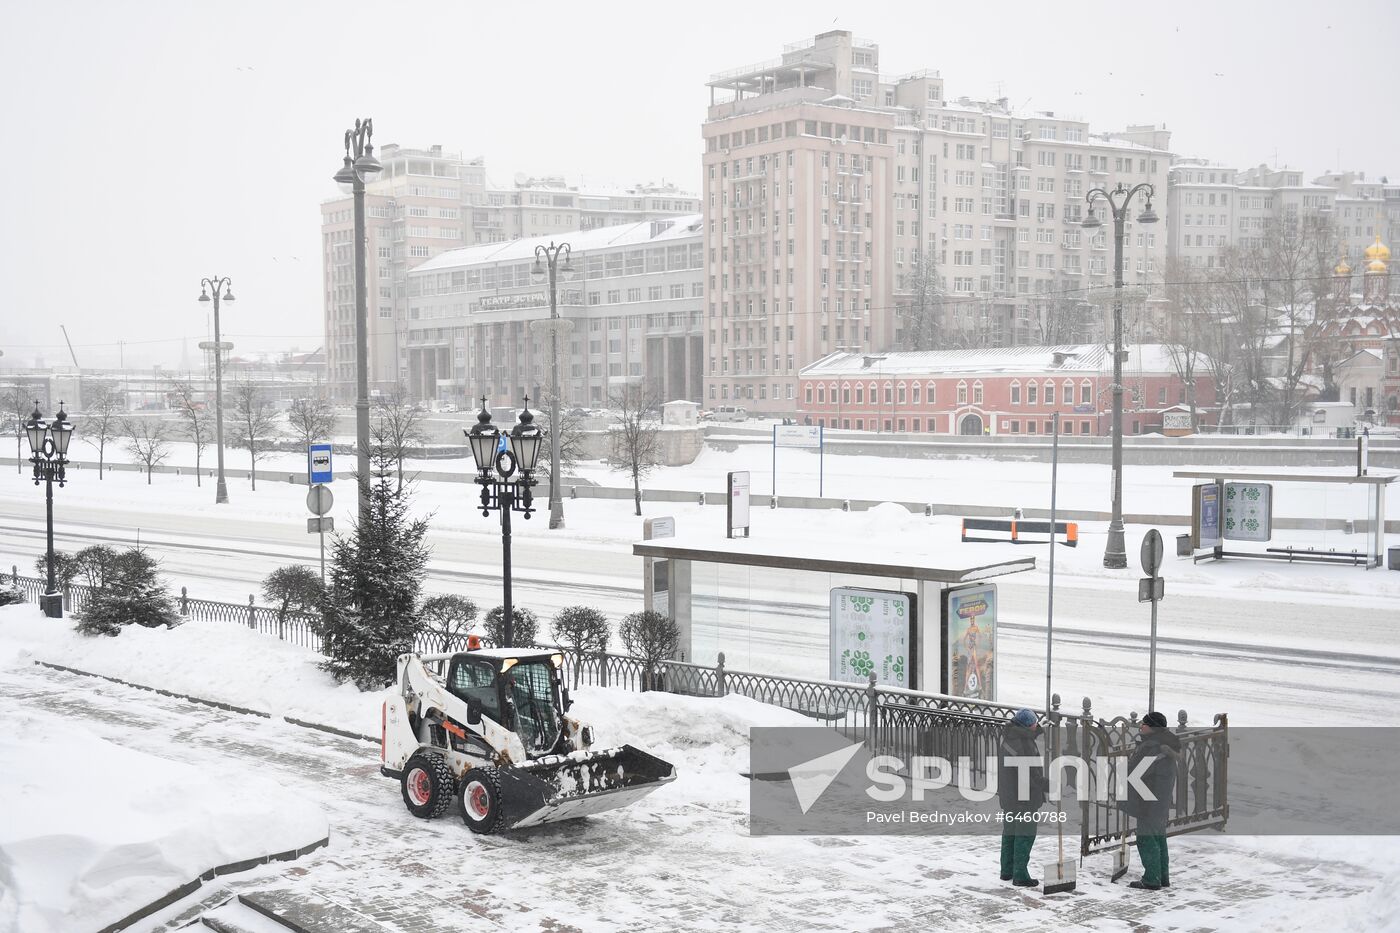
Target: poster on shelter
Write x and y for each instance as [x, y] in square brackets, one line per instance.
[872, 631]
[969, 641]
[1249, 511]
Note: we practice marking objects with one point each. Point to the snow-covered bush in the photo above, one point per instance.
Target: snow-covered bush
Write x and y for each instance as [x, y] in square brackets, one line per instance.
[653, 638]
[525, 625]
[10, 594]
[582, 631]
[131, 594]
[446, 621]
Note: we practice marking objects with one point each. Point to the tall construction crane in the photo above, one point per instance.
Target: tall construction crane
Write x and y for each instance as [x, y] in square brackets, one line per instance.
[70, 349]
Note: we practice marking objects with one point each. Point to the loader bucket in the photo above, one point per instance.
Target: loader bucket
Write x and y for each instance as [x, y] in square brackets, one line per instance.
[566, 787]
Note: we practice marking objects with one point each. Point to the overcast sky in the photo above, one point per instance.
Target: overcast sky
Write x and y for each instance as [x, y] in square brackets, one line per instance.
[151, 144]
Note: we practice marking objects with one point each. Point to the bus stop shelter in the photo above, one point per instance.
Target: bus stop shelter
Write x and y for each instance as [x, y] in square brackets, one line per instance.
[1214, 538]
[776, 604]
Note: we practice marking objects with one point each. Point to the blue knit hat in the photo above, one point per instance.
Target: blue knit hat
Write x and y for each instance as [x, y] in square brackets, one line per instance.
[1024, 717]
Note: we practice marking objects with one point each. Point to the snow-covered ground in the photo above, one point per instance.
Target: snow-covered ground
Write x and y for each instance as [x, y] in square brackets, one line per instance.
[681, 859]
[93, 830]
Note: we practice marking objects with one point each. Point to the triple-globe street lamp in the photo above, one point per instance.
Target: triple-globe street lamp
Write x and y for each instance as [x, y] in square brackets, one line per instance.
[504, 473]
[216, 283]
[547, 263]
[48, 446]
[1115, 554]
[360, 166]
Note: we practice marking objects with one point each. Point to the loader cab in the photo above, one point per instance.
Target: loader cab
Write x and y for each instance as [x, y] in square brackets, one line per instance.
[521, 690]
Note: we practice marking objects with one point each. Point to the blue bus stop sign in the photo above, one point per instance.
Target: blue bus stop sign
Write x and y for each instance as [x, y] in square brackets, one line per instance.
[318, 464]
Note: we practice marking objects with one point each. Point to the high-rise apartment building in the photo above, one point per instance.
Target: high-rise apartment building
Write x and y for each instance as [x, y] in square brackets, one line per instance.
[833, 195]
[427, 201]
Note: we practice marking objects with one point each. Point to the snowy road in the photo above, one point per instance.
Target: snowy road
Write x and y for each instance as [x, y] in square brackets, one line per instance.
[681, 860]
[1315, 658]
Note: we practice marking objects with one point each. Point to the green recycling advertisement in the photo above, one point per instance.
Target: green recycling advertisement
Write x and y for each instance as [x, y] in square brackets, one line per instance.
[872, 631]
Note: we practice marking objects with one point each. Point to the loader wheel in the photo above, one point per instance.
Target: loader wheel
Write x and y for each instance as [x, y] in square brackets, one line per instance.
[480, 796]
[428, 786]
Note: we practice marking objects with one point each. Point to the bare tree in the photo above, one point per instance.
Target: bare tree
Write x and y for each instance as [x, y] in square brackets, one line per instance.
[922, 310]
[196, 421]
[1296, 257]
[147, 441]
[636, 438]
[254, 424]
[14, 403]
[570, 441]
[1192, 310]
[102, 419]
[311, 420]
[1061, 320]
[398, 425]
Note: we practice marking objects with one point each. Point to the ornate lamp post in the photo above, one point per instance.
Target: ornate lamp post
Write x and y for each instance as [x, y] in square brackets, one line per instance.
[214, 284]
[504, 474]
[48, 446]
[547, 263]
[360, 166]
[1115, 555]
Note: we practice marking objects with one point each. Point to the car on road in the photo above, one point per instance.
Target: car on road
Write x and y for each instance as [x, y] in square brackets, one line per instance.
[729, 413]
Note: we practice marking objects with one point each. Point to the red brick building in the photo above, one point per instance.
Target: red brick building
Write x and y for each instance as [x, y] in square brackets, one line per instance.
[990, 392]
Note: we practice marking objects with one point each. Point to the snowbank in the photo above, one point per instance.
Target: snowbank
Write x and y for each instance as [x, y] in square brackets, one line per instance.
[220, 661]
[94, 831]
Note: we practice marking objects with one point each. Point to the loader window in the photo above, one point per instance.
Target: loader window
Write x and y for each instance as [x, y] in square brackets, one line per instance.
[475, 681]
[531, 687]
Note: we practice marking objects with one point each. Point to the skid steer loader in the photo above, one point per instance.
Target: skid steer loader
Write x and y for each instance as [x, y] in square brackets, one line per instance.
[491, 728]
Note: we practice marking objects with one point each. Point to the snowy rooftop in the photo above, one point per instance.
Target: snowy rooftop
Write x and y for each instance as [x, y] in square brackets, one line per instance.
[636, 234]
[1151, 357]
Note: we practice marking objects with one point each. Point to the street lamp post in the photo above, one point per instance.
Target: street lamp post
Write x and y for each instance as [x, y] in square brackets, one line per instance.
[214, 284]
[547, 263]
[48, 446]
[360, 166]
[1115, 554]
[504, 474]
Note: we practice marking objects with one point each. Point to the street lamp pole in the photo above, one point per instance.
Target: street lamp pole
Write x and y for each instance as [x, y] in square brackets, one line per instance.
[1115, 555]
[360, 166]
[504, 474]
[48, 446]
[547, 262]
[215, 284]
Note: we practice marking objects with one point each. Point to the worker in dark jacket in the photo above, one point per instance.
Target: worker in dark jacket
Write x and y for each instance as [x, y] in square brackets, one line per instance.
[1018, 811]
[1158, 743]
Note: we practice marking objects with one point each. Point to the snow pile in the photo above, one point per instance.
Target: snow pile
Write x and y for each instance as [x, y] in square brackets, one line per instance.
[221, 661]
[706, 738]
[93, 831]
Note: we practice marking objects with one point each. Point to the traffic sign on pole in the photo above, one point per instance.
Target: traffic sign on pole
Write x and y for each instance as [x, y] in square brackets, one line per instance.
[318, 464]
[1151, 552]
[319, 500]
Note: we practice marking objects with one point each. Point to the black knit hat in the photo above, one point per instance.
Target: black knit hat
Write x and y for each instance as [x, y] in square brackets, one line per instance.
[1155, 719]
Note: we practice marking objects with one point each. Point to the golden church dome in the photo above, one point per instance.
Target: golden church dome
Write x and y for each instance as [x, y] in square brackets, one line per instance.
[1378, 251]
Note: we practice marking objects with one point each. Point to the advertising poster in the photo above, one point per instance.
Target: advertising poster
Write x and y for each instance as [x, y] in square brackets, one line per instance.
[1249, 511]
[738, 510]
[969, 641]
[872, 630]
[1205, 515]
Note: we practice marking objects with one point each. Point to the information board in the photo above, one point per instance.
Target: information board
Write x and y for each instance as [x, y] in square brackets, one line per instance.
[737, 504]
[797, 435]
[873, 631]
[969, 641]
[1249, 511]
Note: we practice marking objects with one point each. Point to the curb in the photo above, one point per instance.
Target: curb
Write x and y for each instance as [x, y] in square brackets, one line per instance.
[190, 887]
[227, 707]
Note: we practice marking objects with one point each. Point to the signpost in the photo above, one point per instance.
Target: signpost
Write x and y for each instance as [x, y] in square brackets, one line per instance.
[737, 503]
[969, 641]
[318, 464]
[803, 436]
[318, 502]
[1150, 589]
[873, 631]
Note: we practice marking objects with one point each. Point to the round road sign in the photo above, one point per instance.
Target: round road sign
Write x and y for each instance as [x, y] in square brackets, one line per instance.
[319, 499]
[1151, 552]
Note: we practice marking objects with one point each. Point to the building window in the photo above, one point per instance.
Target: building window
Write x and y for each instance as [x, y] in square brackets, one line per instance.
[1015, 427]
[1016, 392]
[962, 393]
[1086, 393]
[977, 392]
[1049, 393]
[1031, 393]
